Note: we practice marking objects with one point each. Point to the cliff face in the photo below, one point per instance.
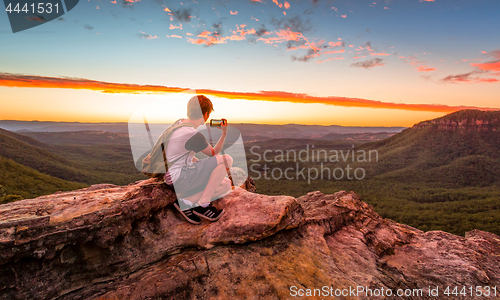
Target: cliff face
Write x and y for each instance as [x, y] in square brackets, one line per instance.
[465, 120]
[112, 242]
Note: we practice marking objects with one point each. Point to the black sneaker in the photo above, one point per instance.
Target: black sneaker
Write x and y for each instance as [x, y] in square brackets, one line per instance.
[187, 214]
[209, 212]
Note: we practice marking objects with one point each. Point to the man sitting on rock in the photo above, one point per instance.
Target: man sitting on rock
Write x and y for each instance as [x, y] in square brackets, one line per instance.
[198, 182]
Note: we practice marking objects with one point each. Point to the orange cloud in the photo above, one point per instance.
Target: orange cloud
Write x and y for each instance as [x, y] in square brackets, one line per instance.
[489, 66]
[233, 12]
[487, 80]
[31, 81]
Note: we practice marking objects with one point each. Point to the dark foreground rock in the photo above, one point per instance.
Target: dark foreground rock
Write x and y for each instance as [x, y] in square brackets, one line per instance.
[112, 242]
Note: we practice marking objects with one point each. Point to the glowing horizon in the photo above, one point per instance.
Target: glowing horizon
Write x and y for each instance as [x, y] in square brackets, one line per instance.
[32, 81]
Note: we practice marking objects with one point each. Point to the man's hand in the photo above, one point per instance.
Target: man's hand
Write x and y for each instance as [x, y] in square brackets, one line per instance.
[223, 126]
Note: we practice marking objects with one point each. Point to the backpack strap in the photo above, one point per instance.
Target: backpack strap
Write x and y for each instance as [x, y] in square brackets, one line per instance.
[175, 127]
[152, 165]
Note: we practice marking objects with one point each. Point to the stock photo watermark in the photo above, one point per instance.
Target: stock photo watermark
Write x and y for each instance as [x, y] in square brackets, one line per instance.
[26, 14]
[295, 160]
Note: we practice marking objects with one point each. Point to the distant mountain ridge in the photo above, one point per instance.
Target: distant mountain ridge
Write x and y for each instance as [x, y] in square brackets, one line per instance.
[250, 132]
[50, 126]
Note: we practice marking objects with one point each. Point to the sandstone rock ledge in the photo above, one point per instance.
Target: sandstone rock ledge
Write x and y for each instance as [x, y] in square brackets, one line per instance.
[113, 242]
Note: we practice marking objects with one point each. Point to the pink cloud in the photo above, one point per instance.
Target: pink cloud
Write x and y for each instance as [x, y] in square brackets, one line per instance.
[175, 27]
[418, 64]
[335, 44]
[333, 52]
[425, 69]
[329, 59]
[490, 68]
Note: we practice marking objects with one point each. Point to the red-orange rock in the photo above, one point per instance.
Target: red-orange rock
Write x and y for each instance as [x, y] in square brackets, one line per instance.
[111, 242]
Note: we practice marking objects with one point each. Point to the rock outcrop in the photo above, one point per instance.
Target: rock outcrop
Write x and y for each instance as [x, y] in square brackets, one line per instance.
[127, 242]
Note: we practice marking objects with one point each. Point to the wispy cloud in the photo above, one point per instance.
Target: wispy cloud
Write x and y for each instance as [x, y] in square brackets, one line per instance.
[423, 68]
[32, 81]
[329, 59]
[147, 36]
[419, 65]
[367, 64]
[181, 14]
[490, 68]
[172, 26]
[209, 38]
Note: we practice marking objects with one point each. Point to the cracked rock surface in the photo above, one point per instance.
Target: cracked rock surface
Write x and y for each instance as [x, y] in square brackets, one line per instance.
[128, 242]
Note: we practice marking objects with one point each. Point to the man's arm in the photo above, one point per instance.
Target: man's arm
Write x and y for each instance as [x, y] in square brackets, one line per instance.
[209, 151]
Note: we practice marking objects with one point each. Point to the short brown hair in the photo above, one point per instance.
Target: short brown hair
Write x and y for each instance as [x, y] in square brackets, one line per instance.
[194, 105]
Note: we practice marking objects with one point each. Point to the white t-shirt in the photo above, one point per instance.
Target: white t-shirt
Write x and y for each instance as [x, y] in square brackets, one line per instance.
[184, 140]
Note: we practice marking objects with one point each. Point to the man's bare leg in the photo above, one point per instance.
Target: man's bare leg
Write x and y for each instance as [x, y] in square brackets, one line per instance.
[222, 189]
[215, 182]
[216, 178]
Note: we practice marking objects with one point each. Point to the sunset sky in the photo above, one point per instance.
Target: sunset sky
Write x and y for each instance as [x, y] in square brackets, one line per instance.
[355, 63]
